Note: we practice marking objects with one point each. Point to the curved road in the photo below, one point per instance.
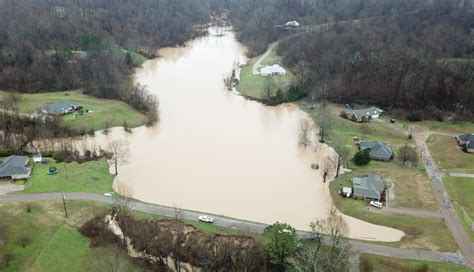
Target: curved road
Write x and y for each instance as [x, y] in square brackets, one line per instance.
[233, 223]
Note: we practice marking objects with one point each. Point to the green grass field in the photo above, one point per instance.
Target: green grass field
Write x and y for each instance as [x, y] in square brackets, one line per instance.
[376, 263]
[253, 85]
[102, 110]
[55, 244]
[447, 156]
[88, 177]
[461, 192]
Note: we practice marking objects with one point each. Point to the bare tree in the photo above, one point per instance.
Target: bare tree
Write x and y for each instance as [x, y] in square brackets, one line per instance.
[323, 120]
[178, 239]
[268, 88]
[334, 226]
[304, 136]
[120, 153]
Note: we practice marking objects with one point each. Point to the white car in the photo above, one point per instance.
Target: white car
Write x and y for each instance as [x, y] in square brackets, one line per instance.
[376, 204]
[206, 219]
[108, 194]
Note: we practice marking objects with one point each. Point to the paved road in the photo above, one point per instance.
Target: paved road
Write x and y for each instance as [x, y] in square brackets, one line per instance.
[406, 211]
[222, 221]
[466, 247]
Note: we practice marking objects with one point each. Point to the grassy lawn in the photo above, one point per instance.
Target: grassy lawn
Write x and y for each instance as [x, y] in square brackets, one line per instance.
[447, 155]
[346, 129]
[88, 177]
[447, 127]
[253, 85]
[412, 187]
[421, 233]
[376, 263]
[461, 192]
[103, 110]
[55, 244]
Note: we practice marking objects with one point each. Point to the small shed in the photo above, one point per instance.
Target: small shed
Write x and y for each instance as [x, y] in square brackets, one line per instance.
[273, 70]
[346, 191]
[37, 158]
[292, 24]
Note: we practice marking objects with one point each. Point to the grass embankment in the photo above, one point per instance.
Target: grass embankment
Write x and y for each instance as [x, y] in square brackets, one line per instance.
[448, 156]
[254, 85]
[54, 244]
[376, 263]
[411, 187]
[461, 192]
[88, 177]
[100, 110]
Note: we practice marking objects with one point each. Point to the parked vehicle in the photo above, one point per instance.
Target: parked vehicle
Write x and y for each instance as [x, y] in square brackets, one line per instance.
[108, 194]
[376, 204]
[206, 219]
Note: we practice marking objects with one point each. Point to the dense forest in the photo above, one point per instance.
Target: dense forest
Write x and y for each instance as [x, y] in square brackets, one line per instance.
[416, 55]
[50, 45]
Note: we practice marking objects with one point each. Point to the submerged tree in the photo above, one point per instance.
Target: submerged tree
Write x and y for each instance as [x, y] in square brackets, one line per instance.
[120, 153]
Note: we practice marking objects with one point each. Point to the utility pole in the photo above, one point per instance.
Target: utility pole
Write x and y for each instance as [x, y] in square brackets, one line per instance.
[64, 203]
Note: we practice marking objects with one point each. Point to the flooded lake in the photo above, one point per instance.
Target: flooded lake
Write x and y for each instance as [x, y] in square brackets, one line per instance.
[214, 151]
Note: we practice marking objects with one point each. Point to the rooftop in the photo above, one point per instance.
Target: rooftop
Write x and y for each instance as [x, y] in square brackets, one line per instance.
[377, 149]
[14, 165]
[367, 112]
[58, 107]
[369, 186]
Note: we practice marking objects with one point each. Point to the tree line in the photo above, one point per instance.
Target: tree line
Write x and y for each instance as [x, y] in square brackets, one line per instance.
[89, 44]
[415, 55]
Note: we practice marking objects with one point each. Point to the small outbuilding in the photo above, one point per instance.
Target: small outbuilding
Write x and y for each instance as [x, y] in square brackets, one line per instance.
[363, 115]
[15, 167]
[466, 141]
[377, 150]
[37, 158]
[370, 187]
[273, 70]
[61, 107]
[346, 191]
[292, 24]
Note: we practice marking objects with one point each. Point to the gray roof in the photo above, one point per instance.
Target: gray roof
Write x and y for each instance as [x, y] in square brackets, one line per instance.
[377, 149]
[14, 165]
[58, 107]
[369, 186]
[466, 137]
[367, 112]
[470, 145]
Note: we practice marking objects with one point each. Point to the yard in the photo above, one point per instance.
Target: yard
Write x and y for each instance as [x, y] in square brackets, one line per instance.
[376, 263]
[421, 233]
[100, 110]
[447, 155]
[411, 187]
[88, 177]
[52, 243]
[253, 85]
[461, 192]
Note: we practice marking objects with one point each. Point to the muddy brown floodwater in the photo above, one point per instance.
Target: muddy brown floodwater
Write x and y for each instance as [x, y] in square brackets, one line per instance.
[216, 152]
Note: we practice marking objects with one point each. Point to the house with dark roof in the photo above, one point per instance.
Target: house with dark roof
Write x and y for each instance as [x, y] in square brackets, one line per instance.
[466, 141]
[370, 187]
[377, 150]
[363, 115]
[61, 107]
[15, 167]
[463, 139]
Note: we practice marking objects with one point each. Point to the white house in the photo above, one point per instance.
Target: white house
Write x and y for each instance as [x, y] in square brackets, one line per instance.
[273, 70]
[292, 24]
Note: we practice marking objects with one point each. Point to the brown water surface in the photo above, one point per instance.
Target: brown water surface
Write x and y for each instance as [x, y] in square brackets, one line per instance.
[214, 151]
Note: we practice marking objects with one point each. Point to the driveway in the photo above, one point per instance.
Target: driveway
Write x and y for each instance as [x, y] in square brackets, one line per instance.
[466, 247]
